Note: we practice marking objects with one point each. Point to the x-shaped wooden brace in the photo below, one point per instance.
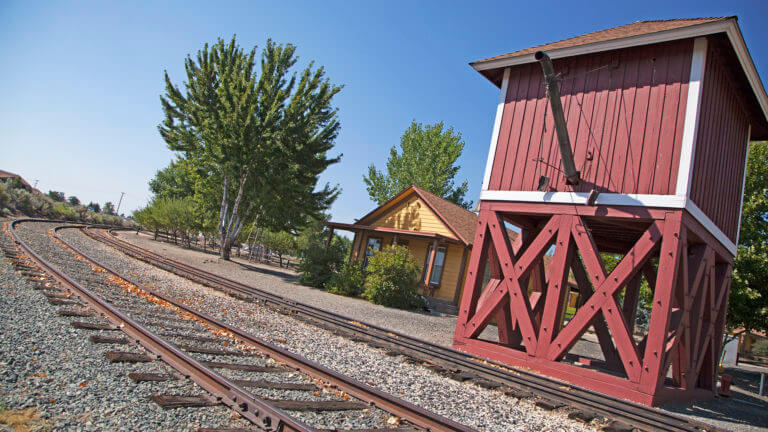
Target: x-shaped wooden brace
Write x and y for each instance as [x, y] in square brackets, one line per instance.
[602, 300]
[509, 287]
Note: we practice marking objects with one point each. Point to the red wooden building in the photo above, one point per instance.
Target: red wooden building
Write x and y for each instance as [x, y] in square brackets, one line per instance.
[659, 116]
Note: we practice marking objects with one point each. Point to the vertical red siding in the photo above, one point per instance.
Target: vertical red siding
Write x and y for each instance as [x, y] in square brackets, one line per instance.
[721, 146]
[623, 107]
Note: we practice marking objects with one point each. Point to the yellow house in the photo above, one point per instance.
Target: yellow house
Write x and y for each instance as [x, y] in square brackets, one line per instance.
[438, 233]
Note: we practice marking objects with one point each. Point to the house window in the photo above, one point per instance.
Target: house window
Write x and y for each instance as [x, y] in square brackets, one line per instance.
[374, 245]
[437, 266]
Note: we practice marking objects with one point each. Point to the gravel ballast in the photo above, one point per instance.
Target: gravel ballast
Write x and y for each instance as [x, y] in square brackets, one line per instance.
[463, 402]
[50, 367]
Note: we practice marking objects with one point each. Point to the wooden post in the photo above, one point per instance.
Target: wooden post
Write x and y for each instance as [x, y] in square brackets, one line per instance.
[394, 239]
[462, 270]
[330, 237]
[430, 263]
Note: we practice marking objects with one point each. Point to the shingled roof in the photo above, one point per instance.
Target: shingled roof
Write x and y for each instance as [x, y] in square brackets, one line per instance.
[638, 28]
[460, 220]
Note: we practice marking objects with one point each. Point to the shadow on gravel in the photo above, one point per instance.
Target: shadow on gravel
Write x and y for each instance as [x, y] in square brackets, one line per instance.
[744, 410]
[280, 274]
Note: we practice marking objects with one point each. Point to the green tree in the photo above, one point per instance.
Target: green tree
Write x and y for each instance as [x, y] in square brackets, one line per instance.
[56, 196]
[279, 242]
[73, 200]
[177, 180]
[427, 158]
[108, 208]
[94, 207]
[260, 136]
[318, 262]
[748, 302]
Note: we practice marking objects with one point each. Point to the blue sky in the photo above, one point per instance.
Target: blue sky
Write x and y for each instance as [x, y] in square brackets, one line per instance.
[80, 81]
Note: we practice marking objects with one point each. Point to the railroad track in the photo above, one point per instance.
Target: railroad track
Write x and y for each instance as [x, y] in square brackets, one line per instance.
[584, 404]
[264, 383]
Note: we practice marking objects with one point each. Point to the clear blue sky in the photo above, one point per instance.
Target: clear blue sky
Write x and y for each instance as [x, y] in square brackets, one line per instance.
[80, 81]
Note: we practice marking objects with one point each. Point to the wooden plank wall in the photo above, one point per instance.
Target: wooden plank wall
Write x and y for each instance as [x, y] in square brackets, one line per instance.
[721, 147]
[625, 107]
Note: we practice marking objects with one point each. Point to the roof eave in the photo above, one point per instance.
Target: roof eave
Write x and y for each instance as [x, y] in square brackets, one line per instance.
[728, 26]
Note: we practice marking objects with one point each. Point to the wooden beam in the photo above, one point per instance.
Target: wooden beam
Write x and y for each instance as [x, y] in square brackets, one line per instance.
[462, 270]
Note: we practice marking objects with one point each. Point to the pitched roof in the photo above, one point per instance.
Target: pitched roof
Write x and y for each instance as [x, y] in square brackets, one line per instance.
[458, 219]
[638, 28]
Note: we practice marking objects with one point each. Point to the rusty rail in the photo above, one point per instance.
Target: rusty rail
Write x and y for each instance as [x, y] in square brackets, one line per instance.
[255, 410]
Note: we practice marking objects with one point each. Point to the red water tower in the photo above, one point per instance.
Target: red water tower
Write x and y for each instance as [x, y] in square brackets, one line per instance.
[654, 120]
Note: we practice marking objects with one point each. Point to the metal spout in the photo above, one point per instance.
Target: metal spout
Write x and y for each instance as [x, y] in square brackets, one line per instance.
[572, 176]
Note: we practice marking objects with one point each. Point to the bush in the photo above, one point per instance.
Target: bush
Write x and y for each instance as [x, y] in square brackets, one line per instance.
[350, 281]
[393, 279]
[318, 265]
[760, 348]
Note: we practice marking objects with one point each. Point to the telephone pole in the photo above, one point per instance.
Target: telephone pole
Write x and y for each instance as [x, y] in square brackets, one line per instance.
[117, 212]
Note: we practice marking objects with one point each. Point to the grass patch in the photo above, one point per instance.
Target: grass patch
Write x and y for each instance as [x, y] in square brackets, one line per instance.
[22, 420]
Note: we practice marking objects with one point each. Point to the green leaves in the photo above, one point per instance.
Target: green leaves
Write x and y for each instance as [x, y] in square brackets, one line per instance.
[427, 159]
[748, 303]
[257, 136]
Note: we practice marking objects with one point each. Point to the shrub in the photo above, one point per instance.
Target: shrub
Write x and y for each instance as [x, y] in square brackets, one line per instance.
[760, 347]
[393, 279]
[64, 211]
[317, 263]
[350, 281]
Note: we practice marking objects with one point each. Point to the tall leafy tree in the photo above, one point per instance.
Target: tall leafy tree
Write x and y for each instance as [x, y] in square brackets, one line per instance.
[259, 135]
[427, 158]
[748, 303]
[177, 180]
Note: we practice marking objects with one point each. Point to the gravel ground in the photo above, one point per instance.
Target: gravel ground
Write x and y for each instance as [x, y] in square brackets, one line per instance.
[434, 328]
[161, 318]
[52, 369]
[464, 402]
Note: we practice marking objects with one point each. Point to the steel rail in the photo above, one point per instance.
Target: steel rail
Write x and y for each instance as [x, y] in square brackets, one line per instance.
[255, 410]
[641, 416]
[399, 407]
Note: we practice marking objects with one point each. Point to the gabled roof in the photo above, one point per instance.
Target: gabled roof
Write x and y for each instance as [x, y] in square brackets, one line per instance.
[644, 33]
[638, 28]
[460, 221]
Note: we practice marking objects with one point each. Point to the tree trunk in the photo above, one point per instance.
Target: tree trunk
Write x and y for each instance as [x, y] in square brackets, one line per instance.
[230, 224]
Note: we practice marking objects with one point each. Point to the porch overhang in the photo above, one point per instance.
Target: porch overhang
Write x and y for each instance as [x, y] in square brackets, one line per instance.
[399, 232]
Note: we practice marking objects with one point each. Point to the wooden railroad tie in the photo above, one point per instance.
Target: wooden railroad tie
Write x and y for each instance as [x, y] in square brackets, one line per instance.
[92, 326]
[108, 339]
[321, 405]
[127, 357]
[181, 401]
[275, 385]
[150, 376]
[244, 367]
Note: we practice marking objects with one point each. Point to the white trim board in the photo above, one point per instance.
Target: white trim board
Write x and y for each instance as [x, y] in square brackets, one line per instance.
[580, 198]
[743, 184]
[496, 129]
[637, 200]
[730, 27]
[691, 123]
[710, 226]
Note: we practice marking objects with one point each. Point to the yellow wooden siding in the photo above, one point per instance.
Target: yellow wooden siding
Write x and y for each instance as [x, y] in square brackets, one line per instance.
[451, 271]
[410, 214]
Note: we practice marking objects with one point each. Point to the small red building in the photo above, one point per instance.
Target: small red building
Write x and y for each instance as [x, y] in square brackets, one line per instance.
[659, 116]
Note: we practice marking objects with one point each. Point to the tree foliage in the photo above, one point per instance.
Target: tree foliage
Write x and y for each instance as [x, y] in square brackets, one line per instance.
[427, 158]
[318, 263]
[177, 180]
[56, 195]
[260, 135]
[748, 303]
[108, 208]
[73, 200]
[279, 242]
